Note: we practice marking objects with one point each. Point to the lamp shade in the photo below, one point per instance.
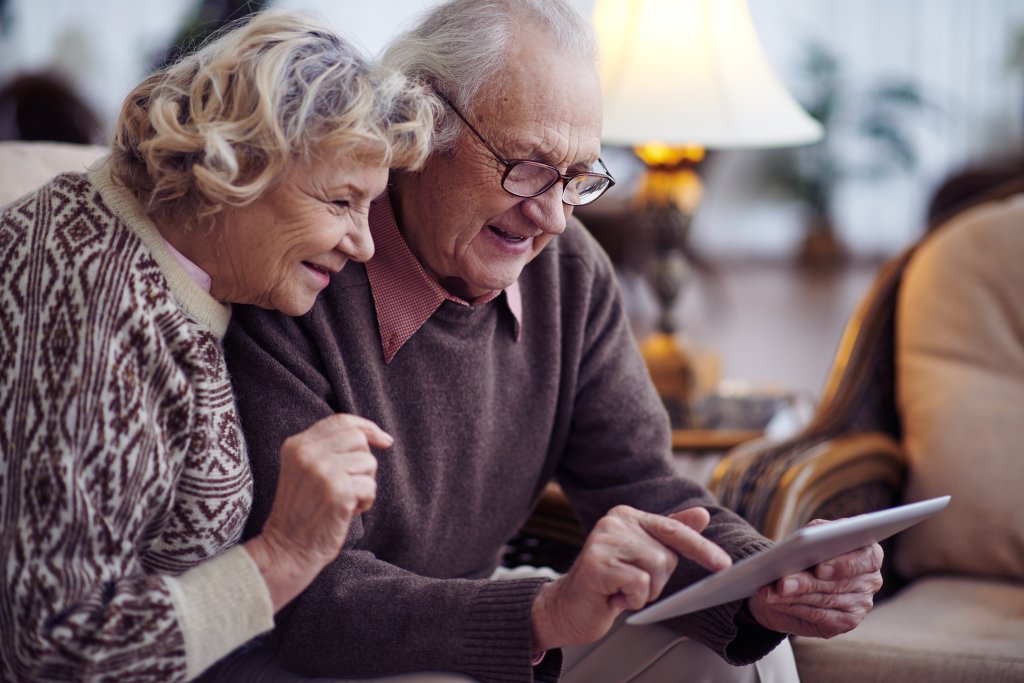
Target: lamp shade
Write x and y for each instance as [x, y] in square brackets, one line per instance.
[692, 72]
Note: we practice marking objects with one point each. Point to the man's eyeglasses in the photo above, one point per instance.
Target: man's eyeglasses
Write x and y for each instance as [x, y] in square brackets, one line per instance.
[525, 178]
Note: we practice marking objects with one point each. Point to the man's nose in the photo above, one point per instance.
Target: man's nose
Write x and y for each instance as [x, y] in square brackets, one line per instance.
[547, 211]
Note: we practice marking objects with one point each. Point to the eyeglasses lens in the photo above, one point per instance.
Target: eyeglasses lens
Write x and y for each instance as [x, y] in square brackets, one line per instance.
[527, 179]
[584, 189]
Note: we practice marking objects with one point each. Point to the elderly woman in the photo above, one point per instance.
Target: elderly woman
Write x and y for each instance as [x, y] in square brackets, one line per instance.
[243, 174]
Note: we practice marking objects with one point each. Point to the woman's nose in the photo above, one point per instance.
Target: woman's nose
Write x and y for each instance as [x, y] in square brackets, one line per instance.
[358, 245]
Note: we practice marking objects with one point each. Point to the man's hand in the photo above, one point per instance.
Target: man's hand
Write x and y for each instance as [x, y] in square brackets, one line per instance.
[831, 599]
[624, 564]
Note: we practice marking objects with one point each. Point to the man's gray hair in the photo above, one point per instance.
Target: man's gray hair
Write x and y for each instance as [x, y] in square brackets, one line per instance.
[460, 46]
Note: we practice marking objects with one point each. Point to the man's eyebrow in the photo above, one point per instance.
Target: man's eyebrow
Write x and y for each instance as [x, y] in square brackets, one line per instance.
[581, 166]
[549, 158]
[584, 166]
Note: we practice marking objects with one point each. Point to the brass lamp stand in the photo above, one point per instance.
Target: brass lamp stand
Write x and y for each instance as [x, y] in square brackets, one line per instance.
[666, 200]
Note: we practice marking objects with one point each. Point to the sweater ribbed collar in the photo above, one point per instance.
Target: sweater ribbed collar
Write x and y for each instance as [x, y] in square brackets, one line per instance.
[404, 295]
[194, 300]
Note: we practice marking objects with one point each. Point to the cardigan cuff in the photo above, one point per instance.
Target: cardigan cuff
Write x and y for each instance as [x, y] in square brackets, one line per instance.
[220, 604]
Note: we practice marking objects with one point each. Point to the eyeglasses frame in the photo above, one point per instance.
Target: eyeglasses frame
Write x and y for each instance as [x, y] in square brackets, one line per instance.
[509, 164]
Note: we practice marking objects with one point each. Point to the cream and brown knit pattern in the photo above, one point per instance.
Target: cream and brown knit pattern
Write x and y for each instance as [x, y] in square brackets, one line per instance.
[121, 457]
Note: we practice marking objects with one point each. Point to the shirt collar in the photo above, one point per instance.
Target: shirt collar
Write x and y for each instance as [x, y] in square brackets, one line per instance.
[200, 276]
[404, 295]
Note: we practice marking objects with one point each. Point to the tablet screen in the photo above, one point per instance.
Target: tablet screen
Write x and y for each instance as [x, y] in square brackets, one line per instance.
[805, 548]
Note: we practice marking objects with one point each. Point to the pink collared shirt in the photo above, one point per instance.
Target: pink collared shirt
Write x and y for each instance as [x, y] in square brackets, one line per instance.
[404, 295]
[201, 277]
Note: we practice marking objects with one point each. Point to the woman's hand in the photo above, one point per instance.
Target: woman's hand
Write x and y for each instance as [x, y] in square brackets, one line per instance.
[327, 477]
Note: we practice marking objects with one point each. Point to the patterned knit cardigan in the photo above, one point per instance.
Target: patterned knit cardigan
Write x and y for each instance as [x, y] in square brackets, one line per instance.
[123, 474]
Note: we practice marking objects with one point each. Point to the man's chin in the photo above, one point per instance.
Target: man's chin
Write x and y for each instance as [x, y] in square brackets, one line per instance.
[469, 291]
[464, 289]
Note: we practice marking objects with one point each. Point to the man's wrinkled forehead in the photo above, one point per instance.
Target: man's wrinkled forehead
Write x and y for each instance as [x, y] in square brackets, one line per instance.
[546, 115]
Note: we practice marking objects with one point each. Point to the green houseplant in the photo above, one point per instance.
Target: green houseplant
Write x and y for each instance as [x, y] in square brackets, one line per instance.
[878, 117]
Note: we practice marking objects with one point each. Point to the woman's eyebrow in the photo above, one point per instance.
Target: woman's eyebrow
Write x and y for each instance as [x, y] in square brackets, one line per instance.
[355, 191]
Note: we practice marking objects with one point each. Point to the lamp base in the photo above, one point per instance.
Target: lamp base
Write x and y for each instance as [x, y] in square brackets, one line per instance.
[673, 373]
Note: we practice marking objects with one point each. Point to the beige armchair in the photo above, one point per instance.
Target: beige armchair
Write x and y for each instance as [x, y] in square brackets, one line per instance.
[926, 397]
[24, 166]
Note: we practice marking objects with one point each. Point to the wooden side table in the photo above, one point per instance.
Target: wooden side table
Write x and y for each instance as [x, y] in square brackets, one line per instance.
[698, 451]
[711, 439]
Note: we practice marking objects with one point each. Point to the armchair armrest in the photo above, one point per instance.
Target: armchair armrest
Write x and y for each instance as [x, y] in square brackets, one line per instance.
[780, 487]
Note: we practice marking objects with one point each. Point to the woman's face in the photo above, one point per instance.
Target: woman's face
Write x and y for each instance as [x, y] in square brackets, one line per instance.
[280, 251]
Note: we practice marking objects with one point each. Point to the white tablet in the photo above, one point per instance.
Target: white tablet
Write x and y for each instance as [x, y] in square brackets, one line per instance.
[805, 548]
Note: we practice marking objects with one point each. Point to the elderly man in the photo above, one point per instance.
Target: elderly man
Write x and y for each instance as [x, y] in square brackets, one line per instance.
[487, 336]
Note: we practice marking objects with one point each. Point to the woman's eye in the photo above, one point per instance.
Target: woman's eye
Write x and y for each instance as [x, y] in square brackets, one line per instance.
[341, 203]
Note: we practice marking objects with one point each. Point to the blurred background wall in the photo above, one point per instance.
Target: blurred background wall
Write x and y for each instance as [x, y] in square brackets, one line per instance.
[915, 91]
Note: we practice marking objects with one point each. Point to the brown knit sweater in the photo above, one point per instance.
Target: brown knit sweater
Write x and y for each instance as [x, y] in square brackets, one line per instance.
[481, 422]
[123, 476]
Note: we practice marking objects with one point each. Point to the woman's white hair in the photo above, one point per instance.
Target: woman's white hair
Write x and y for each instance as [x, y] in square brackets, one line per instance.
[223, 125]
[460, 46]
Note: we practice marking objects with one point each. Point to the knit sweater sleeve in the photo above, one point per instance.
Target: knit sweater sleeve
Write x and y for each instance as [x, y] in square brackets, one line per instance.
[363, 617]
[94, 432]
[76, 599]
[618, 447]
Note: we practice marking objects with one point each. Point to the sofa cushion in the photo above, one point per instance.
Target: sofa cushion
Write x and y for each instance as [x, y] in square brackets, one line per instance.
[24, 166]
[935, 629]
[960, 392]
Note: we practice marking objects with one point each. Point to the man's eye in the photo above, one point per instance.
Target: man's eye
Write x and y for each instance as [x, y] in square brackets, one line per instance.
[342, 203]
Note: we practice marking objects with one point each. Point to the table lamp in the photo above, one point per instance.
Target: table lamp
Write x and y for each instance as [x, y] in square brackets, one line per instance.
[679, 76]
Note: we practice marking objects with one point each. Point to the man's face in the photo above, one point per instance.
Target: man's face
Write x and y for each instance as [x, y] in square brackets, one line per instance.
[470, 234]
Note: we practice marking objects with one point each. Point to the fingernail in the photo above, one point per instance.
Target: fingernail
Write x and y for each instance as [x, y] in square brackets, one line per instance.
[826, 571]
[789, 586]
